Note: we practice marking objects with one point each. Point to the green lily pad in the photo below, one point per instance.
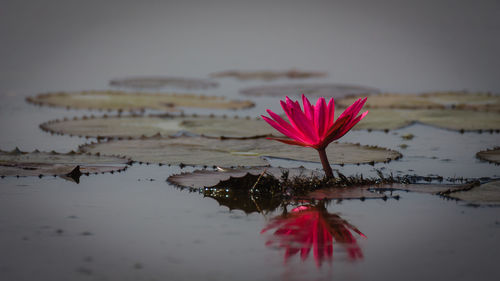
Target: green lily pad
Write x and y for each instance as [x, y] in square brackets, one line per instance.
[19, 163]
[310, 90]
[435, 100]
[134, 101]
[459, 120]
[268, 75]
[490, 155]
[484, 194]
[136, 126]
[161, 82]
[199, 151]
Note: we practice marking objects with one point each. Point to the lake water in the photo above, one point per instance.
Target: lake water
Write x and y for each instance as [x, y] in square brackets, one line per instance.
[136, 226]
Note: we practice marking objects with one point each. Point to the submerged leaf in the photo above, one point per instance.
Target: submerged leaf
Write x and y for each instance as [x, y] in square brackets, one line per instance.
[134, 101]
[310, 90]
[161, 82]
[490, 155]
[18, 163]
[227, 153]
[166, 125]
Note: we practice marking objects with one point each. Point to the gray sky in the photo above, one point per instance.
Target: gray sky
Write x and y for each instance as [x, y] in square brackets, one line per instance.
[407, 46]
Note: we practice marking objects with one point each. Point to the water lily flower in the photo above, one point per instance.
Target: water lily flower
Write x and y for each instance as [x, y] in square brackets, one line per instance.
[312, 227]
[315, 126]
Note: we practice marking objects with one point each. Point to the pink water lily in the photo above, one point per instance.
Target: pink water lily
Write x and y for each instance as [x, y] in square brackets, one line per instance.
[315, 126]
[312, 227]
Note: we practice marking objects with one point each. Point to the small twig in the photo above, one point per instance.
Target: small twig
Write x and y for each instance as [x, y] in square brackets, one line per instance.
[253, 189]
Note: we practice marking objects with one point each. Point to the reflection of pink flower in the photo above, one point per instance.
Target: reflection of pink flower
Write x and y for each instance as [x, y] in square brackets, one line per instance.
[309, 227]
[315, 126]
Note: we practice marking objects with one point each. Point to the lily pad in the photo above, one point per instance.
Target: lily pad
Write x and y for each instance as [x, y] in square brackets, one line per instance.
[436, 189]
[310, 90]
[484, 194]
[490, 155]
[200, 179]
[136, 126]
[162, 82]
[19, 163]
[345, 193]
[458, 120]
[228, 153]
[134, 101]
[268, 75]
[435, 100]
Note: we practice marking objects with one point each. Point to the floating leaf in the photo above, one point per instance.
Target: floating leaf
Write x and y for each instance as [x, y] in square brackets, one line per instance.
[200, 179]
[437, 189]
[344, 193]
[459, 120]
[136, 126]
[436, 100]
[310, 90]
[268, 75]
[379, 119]
[18, 163]
[161, 82]
[228, 153]
[127, 101]
[484, 194]
[490, 155]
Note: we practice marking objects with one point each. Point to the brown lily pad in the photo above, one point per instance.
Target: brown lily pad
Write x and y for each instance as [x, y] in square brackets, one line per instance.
[490, 155]
[484, 194]
[221, 178]
[199, 151]
[166, 125]
[156, 82]
[378, 191]
[36, 163]
[268, 75]
[435, 100]
[436, 189]
[310, 90]
[134, 101]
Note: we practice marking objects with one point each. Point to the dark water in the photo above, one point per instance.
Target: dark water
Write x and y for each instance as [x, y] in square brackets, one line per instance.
[136, 226]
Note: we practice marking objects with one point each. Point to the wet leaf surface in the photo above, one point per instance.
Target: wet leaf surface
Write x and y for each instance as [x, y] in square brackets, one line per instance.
[490, 155]
[268, 75]
[18, 163]
[136, 126]
[310, 90]
[484, 194]
[231, 153]
[163, 82]
[134, 101]
[435, 100]
[210, 179]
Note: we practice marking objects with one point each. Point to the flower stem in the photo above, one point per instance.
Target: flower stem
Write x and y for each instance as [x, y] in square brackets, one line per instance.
[326, 165]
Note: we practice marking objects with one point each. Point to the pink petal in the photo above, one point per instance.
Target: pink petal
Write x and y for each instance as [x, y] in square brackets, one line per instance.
[277, 126]
[293, 133]
[330, 112]
[308, 108]
[288, 141]
[320, 117]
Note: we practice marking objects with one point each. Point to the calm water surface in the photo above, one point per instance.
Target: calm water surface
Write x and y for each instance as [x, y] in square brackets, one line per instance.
[136, 226]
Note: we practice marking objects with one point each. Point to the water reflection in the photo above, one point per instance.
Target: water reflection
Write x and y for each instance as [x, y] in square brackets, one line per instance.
[312, 227]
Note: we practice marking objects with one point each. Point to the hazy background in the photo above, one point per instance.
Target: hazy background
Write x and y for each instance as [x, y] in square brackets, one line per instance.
[407, 46]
